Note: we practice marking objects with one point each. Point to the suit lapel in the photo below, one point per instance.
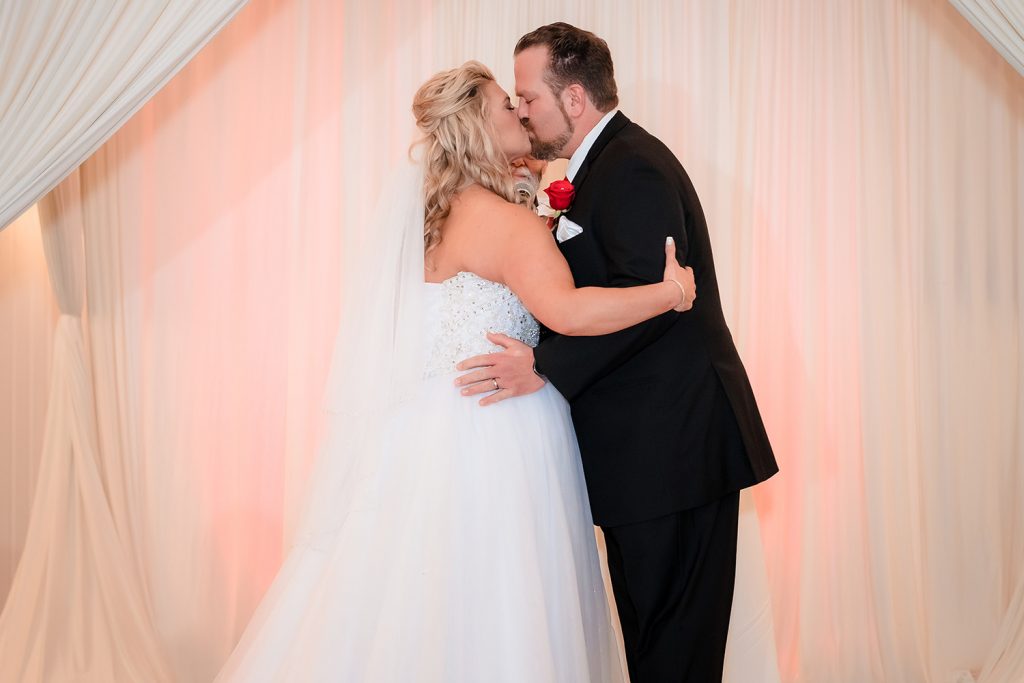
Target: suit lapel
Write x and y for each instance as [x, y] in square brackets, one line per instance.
[618, 122]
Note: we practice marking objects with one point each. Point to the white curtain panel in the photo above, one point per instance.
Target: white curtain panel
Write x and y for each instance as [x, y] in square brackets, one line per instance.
[77, 609]
[71, 73]
[860, 165]
[1002, 24]
[28, 315]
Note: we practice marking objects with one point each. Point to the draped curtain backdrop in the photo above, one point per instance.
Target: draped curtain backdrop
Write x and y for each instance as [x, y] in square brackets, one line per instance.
[78, 607]
[1002, 24]
[860, 165]
[73, 72]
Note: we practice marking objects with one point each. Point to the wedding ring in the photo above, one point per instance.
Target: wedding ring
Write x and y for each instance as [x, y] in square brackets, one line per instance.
[495, 380]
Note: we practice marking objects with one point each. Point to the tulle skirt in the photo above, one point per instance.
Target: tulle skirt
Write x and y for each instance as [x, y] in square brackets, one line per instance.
[467, 554]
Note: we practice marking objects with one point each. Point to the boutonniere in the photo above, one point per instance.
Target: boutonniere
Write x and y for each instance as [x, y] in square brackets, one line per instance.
[559, 195]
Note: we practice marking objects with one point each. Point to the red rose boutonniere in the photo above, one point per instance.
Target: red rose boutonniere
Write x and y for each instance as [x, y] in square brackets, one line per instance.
[560, 194]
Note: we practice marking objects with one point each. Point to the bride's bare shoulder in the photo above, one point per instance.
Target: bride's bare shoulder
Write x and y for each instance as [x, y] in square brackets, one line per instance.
[489, 228]
[494, 212]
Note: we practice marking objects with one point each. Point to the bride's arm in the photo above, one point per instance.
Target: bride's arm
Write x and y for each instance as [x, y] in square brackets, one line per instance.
[536, 271]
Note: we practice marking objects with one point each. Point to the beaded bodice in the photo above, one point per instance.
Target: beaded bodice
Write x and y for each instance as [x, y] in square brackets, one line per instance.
[461, 311]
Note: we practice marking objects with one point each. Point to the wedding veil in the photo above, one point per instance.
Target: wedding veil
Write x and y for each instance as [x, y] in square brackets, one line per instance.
[378, 359]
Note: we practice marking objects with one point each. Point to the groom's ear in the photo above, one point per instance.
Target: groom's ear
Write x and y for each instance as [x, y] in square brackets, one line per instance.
[575, 100]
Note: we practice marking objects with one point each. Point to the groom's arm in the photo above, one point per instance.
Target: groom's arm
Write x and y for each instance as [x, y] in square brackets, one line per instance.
[640, 208]
[631, 224]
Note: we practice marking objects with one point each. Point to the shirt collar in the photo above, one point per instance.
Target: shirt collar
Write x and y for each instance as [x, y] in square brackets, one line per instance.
[581, 152]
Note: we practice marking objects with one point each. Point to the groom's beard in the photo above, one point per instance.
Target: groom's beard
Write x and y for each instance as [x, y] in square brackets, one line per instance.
[546, 150]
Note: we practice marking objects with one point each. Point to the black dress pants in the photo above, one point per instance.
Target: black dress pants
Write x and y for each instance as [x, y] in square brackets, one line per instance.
[673, 583]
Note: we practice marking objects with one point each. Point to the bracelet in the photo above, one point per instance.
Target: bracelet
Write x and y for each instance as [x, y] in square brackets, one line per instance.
[682, 291]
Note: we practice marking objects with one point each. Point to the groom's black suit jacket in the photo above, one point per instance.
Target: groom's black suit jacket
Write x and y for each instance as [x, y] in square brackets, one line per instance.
[664, 412]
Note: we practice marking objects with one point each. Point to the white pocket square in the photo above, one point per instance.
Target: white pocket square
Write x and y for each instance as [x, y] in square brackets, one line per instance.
[566, 229]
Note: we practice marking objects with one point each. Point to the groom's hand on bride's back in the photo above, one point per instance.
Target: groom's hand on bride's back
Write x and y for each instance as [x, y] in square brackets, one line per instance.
[500, 375]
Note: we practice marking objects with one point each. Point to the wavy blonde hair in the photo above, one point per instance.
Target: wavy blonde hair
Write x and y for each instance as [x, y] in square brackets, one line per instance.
[458, 144]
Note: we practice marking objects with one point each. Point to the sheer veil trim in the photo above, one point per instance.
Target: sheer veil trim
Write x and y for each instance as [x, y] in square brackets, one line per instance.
[377, 361]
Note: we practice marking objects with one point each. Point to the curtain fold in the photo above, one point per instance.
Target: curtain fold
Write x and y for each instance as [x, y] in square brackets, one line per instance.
[28, 316]
[77, 609]
[74, 72]
[1006, 660]
[1002, 24]
[78, 606]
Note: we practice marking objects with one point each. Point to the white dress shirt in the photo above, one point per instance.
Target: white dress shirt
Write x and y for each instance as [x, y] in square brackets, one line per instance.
[581, 152]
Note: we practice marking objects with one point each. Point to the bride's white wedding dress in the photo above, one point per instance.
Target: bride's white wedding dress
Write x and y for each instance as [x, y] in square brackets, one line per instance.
[467, 552]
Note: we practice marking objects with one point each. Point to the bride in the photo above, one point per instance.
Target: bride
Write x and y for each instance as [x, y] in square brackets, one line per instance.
[443, 541]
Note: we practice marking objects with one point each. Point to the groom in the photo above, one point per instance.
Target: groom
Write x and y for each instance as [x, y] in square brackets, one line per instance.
[668, 428]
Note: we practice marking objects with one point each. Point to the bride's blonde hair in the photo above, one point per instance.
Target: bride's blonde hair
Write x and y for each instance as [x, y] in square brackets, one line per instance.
[458, 143]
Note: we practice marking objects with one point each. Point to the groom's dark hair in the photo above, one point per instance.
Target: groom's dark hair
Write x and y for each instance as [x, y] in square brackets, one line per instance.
[576, 56]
